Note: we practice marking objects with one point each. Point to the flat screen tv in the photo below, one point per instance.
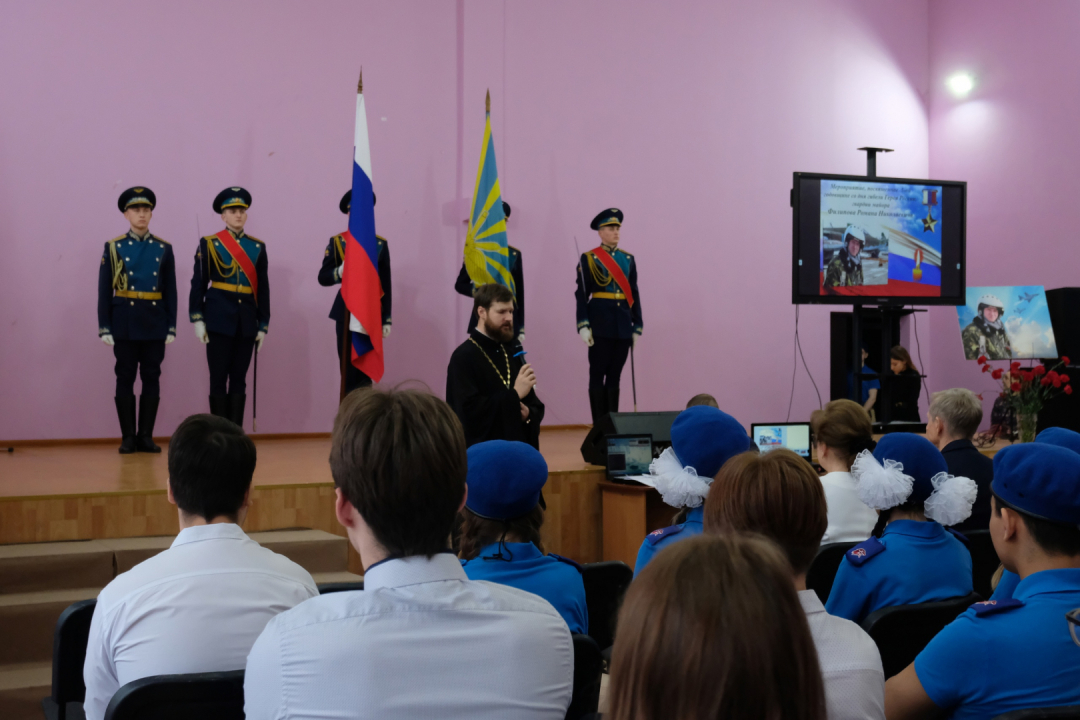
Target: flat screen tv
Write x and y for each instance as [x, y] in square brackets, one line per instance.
[878, 241]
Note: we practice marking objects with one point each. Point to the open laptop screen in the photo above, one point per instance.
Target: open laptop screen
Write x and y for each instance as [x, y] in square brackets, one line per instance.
[793, 436]
[629, 454]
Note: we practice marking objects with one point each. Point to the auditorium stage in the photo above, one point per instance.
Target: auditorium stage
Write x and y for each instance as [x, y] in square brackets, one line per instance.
[86, 490]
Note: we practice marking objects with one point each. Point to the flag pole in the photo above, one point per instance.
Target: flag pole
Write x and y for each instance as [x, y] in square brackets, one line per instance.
[346, 356]
[254, 397]
[633, 377]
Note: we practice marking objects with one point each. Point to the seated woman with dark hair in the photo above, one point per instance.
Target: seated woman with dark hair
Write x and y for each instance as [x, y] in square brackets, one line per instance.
[778, 495]
[906, 383]
[916, 559]
[712, 628]
[500, 530]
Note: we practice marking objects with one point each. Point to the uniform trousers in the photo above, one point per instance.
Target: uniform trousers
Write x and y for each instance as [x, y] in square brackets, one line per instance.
[229, 357]
[141, 357]
[354, 378]
[606, 359]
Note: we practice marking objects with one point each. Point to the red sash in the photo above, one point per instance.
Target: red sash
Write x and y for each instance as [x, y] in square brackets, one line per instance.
[242, 259]
[616, 272]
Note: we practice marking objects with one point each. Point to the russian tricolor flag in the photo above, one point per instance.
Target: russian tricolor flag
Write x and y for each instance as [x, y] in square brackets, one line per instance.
[360, 286]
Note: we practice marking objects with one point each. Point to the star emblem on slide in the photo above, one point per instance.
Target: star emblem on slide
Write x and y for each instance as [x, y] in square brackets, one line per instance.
[929, 223]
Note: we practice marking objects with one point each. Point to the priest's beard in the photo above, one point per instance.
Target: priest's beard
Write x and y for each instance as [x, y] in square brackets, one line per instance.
[500, 333]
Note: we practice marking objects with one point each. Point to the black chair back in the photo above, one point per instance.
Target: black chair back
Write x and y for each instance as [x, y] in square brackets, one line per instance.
[605, 585]
[326, 588]
[984, 560]
[69, 653]
[1062, 712]
[588, 668]
[207, 696]
[822, 572]
[902, 632]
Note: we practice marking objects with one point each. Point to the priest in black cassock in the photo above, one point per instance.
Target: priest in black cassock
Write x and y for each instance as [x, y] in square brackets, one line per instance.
[488, 384]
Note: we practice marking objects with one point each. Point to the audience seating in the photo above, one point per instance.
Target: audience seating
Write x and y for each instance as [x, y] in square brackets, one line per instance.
[822, 572]
[588, 669]
[327, 588]
[984, 560]
[902, 632]
[207, 696]
[69, 653]
[1064, 712]
[605, 585]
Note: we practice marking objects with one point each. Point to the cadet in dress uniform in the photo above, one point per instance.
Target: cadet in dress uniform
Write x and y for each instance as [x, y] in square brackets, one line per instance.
[464, 286]
[500, 535]
[916, 560]
[137, 315]
[1010, 654]
[330, 274]
[703, 438]
[608, 311]
[230, 303]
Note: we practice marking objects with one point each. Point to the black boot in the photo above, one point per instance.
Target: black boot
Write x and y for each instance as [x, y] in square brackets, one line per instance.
[613, 400]
[597, 404]
[125, 410]
[236, 408]
[219, 405]
[144, 441]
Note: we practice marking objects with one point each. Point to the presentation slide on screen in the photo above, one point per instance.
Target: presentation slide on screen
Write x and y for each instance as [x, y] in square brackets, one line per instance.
[631, 456]
[880, 239]
[793, 437]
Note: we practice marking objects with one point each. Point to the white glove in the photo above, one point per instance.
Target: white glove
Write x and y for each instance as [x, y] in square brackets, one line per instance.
[340, 269]
[107, 338]
[586, 335]
[637, 336]
[259, 338]
[521, 338]
[386, 331]
[169, 338]
[200, 332]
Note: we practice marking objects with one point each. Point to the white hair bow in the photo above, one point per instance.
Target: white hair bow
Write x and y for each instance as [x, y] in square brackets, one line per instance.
[951, 501]
[679, 486]
[880, 486]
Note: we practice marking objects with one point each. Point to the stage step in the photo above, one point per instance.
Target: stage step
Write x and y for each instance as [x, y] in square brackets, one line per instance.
[27, 621]
[22, 686]
[55, 566]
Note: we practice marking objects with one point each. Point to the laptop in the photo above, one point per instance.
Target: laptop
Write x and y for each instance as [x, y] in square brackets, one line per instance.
[628, 455]
[793, 436]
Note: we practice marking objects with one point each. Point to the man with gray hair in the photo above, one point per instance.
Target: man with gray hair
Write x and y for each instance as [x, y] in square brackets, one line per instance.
[952, 421]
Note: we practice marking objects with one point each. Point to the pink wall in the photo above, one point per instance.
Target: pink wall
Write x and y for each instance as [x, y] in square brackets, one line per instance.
[690, 116]
[1014, 139]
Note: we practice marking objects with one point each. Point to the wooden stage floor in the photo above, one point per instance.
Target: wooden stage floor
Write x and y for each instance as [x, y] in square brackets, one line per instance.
[88, 491]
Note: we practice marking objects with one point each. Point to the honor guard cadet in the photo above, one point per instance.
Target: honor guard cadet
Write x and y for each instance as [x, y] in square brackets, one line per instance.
[608, 311]
[702, 440]
[137, 315]
[330, 274]
[464, 286]
[500, 532]
[985, 334]
[916, 560]
[230, 303]
[1021, 652]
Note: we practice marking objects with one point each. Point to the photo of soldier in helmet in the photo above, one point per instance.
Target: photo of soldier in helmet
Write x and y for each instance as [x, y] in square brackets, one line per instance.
[985, 334]
[845, 269]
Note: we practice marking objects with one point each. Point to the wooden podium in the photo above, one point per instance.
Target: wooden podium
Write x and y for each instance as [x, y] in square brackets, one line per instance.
[629, 513]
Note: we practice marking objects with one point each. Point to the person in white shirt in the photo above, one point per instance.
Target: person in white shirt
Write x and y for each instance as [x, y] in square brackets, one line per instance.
[778, 495]
[421, 639]
[841, 430]
[200, 605]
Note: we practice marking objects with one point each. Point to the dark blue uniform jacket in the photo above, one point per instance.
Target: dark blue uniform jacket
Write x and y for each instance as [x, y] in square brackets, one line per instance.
[333, 259]
[143, 270]
[609, 315]
[221, 294]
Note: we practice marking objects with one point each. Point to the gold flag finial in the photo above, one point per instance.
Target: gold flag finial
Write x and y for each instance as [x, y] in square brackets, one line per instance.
[487, 102]
[360, 84]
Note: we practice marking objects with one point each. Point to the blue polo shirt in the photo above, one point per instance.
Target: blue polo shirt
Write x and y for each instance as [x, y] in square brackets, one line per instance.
[553, 578]
[920, 562]
[1017, 655]
[657, 540]
[1006, 586]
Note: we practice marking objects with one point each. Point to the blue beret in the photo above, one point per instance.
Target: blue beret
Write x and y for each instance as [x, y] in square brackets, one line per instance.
[921, 461]
[1068, 439]
[504, 478]
[705, 438]
[232, 197]
[1040, 479]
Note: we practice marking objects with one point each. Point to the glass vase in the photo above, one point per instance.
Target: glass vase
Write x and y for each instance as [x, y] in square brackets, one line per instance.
[1026, 424]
